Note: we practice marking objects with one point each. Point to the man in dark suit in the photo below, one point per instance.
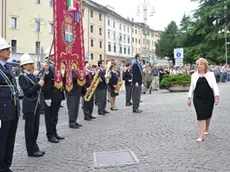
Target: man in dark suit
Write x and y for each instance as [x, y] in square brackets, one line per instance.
[73, 101]
[137, 82]
[127, 76]
[102, 89]
[9, 108]
[53, 98]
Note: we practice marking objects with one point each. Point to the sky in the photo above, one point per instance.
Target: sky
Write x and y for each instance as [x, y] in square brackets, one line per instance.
[165, 10]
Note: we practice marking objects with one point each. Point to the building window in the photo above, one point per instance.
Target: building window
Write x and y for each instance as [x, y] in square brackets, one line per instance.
[128, 50]
[14, 22]
[120, 26]
[109, 47]
[91, 13]
[135, 31]
[114, 48]
[14, 46]
[114, 36]
[109, 34]
[136, 40]
[124, 50]
[100, 44]
[91, 28]
[38, 1]
[124, 28]
[124, 38]
[132, 30]
[100, 31]
[120, 37]
[120, 49]
[91, 56]
[92, 43]
[51, 3]
[133, 39]
[100, 57]
[51, 28]
[128, 29]
[100, 17]
[139, 41]
[37, 26]
[108, 22]
[128, 40]
[114, 24]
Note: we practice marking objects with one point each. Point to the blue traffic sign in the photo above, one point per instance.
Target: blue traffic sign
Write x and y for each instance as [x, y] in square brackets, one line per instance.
[178, 54]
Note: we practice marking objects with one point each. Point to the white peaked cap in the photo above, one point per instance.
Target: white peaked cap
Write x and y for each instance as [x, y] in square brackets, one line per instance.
[47, 51]
[26, 59]
[3, 44]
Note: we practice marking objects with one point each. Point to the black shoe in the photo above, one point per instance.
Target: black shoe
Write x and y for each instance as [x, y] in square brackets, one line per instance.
[105, 111]
[53, 140]
[36, 154]
[129, 104]
[88, 119]
[101, 113]
[59, 137]
[61, 106]
[137, 111]
[73, 126]
[79, 125]
[42, 152]
[93, 117]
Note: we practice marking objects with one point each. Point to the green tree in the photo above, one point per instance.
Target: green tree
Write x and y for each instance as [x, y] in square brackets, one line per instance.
[167, 41]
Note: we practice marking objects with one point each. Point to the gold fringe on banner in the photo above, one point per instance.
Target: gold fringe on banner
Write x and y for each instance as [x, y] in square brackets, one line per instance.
[58, 85]
[81, 83]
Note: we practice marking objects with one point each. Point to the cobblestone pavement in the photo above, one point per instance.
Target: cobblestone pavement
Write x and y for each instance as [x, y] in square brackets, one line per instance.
[163, 138]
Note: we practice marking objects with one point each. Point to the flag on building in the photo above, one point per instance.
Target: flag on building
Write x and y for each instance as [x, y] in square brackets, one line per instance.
[72, 4]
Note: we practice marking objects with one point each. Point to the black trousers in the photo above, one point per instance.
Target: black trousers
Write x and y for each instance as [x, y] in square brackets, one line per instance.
[7, 140]
[87, 107]
[42, 102]
[51, 118]
[73, 107]
[128, 89]
[31, 131]
[102, 96]
[136, 97]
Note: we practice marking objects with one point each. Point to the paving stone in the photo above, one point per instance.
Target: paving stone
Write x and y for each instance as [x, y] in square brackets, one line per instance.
[163, 138]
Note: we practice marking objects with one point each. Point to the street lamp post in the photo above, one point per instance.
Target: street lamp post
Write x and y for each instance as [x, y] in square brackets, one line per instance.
[225, 31]
[145, 6]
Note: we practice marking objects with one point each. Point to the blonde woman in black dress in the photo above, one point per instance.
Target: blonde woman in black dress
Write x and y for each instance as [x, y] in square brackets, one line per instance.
[205, 93]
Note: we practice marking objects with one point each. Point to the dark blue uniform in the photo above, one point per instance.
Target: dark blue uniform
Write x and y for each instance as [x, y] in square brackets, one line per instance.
[112, 82]
[127, 76]
[88, 105]
[73, 100]
[9, 114]
[29, 84]
[56, 96]
[102, 93]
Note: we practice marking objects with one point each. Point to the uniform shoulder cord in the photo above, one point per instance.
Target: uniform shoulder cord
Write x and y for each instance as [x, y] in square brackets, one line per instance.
[28, 78]
[10, 86]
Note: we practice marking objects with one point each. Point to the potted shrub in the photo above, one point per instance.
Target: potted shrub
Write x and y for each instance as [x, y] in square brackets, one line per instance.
[176, 82]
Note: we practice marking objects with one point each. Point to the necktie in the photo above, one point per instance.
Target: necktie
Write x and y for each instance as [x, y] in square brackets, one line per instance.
[6, 67]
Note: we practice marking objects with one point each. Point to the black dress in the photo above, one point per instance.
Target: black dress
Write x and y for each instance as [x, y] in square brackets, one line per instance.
[203, 99]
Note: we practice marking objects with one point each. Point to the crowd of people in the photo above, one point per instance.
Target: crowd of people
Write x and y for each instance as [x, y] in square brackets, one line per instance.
[103, 84]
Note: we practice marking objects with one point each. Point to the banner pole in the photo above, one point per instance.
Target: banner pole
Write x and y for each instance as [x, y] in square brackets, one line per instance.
[43, 76]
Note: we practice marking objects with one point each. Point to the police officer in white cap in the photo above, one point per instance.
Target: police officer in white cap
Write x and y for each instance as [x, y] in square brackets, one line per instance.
[53, 98]
[9, 108]
[31, 104]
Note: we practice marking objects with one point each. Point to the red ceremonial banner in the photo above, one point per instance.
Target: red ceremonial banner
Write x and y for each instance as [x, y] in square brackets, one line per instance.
[68, 43]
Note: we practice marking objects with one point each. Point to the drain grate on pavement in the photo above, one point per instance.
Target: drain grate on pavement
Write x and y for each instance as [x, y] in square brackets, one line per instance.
[114, 158]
